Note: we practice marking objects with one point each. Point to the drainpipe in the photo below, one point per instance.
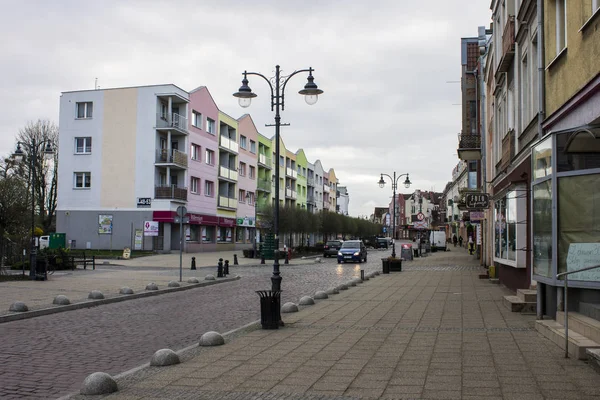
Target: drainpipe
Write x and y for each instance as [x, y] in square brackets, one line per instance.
[541, 69]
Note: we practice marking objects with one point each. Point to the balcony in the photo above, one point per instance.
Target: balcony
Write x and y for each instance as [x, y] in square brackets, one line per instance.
[227, 173]
[469, 147]
[227, 202]
[291, 173]
[170, 192]
[508, 149]
[310, 200]
[326, 188]
[264, 185]
[229, 144]
[172, 122]
[290, 194]
[265, 161]
[173, 158]
[310, 181]
[508, 45]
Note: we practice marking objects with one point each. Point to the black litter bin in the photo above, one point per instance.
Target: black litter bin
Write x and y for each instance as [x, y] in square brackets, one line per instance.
[416, 252]
[270, 308]
[385, 263]
[41, 269]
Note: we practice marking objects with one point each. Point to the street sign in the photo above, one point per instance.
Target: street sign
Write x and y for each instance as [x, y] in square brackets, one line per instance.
[477, 200]
[420, 225]
[420, 216]
[181, 211]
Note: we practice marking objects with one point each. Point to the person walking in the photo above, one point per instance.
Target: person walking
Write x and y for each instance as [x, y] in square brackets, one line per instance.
[460, 240]
[471, 244]
[454, 240]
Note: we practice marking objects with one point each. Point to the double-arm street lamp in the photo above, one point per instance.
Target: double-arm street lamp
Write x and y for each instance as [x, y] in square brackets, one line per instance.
[32, 153]
[245, 95]
[394, 187]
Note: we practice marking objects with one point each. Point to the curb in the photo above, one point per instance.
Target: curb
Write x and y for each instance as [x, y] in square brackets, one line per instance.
[94, 303]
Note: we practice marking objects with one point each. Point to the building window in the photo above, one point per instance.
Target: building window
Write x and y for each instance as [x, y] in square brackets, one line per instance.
[250, 198]
[242, 170]
[252, 146]
[595, 5]
[195, 185]
[505, 227]
[83, 145]
[197, 119]
[241, 196]
[210, 126]
[82, 180]
[242, 141]
[561, 25]
[84, 109]
[526, 94]
[195, 152]
[210, 157]
[252, 173]
[208, 188]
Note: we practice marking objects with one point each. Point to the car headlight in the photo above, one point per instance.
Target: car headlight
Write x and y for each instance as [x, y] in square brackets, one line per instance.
[357, 253]
[339, 253]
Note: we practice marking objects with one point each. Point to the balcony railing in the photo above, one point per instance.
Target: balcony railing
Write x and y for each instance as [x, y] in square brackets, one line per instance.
[310, 199]
[508, 45]
[289, 193]
[508, 149]
[227, 202]
[310, 181]
[228, 144]
[173, 120]
[170, 192]
[326, 188]
[264, 185]
[227, 173]
[265, 161]
[469, 147]
[291, 173]
[163, 156]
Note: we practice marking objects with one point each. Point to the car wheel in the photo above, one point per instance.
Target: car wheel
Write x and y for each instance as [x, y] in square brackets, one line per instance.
[365, 258]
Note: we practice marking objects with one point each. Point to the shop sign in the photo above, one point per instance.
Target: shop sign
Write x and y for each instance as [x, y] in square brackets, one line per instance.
[151, 228]
[476, 215]
[246, 221]
[477, 200]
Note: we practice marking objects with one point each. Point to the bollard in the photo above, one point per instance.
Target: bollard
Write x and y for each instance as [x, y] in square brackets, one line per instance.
[235, 261]
[220, 268]
[193, 263]
[362, 274]
[262, 258]
[226, 268]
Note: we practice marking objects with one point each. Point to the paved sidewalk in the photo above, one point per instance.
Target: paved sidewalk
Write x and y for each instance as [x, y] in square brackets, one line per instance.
[433, 331]
[111, 275]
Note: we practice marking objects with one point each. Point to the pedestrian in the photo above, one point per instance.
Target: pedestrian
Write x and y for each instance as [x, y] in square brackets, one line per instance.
[471, 244]
[460, 240]
[454, 240]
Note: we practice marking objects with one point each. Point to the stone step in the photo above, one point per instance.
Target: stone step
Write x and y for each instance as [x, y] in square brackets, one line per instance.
[593, 356]
[516, 304]
[555, 332]
[590, 310]
[585, 326]
[527, 295]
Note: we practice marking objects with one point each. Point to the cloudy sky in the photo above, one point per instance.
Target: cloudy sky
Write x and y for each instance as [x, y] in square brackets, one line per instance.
[383, 64]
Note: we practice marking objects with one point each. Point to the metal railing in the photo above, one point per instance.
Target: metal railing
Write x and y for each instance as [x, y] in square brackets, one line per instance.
[264, 160]
[229, 144]
[326, 188]
[170, 192]
[171, 121]
[469, 141]
[225, 172]
[264, 185]
[291, 172]
[566, 301]
[173, 157]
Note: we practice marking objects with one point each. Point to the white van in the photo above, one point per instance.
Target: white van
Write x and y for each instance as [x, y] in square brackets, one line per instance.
[438, 239]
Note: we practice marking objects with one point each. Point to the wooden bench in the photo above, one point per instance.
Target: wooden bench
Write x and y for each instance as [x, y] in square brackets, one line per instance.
[81, 259]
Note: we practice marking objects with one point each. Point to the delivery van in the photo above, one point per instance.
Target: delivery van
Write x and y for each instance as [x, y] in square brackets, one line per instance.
[438, 239]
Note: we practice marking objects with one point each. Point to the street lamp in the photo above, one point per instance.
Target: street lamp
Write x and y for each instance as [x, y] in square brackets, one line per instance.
[32, 153]
[394, 186]
[245, 96]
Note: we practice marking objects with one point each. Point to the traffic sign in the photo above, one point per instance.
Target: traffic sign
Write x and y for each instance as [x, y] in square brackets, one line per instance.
[477, 200]
[420, 216]
[181, 211]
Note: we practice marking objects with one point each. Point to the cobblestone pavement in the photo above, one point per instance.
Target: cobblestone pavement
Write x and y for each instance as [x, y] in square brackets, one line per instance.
[49, 356]
[424, 333]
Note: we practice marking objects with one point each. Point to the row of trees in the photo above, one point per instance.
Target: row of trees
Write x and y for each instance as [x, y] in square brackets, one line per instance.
[16, 184]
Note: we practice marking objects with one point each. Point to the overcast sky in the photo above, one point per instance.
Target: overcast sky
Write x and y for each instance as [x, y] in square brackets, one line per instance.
[384, 67]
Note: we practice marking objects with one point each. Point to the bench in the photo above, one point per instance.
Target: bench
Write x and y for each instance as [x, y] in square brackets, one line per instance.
[81, 259]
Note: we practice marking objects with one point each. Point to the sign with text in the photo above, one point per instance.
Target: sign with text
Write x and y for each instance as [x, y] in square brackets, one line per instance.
[138, 238]
[144, 202]
[151, 228]
[583, 255]
[477, 200]
[105, 224]
[476, 215]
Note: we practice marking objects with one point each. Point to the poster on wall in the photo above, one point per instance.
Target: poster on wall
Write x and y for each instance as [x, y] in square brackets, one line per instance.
[478, 234]
[151, 228]
[137, 241]
[583, 255]
[105, 224]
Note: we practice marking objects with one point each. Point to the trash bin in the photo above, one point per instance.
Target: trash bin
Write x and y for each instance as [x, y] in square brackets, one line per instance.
[416, 251]
[385, 263]
[41, 269]
[270, 308]
[406, 252]
[396, 265]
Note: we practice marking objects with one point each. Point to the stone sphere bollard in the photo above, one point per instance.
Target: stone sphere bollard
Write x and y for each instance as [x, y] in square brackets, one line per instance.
[61, 300]
[306, 301]
[342, 287]
[212, 338]
[98, 383]
[126, 290]
[173, 284]
[152, 286]
[289, 307]
[332, 290]
[95, 295]
[164, 357]
[319, 295]
[193, 280]
[351, 283]
[18, 306]
[209, 278]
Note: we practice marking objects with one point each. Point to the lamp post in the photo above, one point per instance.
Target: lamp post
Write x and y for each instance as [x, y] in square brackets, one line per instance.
[245, 95]
[32, 153]
[394, 187]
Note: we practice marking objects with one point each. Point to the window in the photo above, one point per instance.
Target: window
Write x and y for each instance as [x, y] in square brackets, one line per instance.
[472, 175]
[526, 94]
[195, 185]
[208, 188]
[197, 119]
[195, 152]
[561, 25]
[281, 161]
[83, 145]
[208, 234]
[505, 227]
[250, 198]
[210, 126]
[242, 169]
[242, 141]
[210, 157]
[252, 146]
[241, 196]
[252, 173]
[595, 5]
[82, 180]
[84, 109]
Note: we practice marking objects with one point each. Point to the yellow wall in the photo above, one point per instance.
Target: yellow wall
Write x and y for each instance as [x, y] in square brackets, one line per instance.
[118, 148]
[579, 64]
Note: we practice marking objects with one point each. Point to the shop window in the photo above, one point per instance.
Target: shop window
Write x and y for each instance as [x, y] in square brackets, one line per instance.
[239, 234]
[542, 228]
[224, 234]
[505, 227]
[542, 159]
[192, 233]
[578, 150]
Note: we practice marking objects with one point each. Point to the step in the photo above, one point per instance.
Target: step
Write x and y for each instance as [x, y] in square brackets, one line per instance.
[593, 356]
[516, 304]
[585, 326]
[527, 295]
[590, 310]
[555, 332]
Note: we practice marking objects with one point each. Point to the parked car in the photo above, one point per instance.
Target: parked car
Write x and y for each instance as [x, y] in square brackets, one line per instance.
[438, 239]
[352, 251]
[383, 243]
[332, 247]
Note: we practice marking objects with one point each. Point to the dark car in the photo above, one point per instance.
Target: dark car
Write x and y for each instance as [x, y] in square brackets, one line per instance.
[332, 247]
[352, 251]
[383, 243]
